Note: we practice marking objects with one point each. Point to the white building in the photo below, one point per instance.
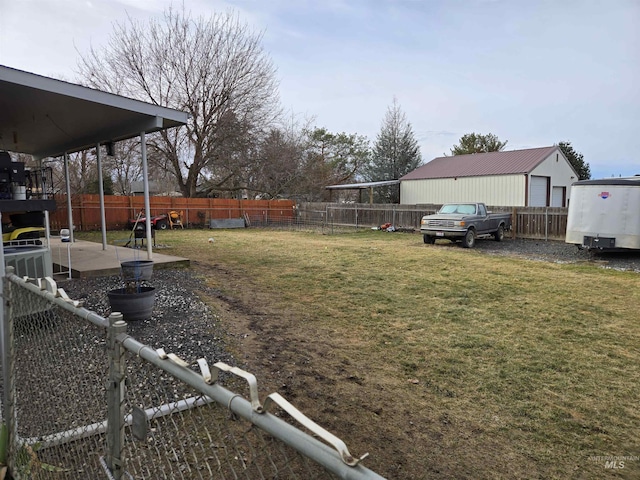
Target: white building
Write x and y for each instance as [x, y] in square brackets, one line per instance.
[535, 177]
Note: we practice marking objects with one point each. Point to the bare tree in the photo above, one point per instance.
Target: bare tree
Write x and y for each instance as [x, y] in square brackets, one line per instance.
[299, 162]
[124, 166]
[213, 68]
[278, 169]
[82, 170]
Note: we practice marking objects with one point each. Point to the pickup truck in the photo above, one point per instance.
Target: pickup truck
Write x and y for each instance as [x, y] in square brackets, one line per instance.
[464, 222]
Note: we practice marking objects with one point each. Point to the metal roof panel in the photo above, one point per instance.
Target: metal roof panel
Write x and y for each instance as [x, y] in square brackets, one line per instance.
[482, 164]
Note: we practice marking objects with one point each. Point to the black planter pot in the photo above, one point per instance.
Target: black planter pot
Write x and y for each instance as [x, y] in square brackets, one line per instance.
[136, 270]
[136, 305]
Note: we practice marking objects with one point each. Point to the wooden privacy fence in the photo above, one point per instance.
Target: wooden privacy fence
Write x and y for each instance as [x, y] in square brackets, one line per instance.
[548, 223]
[545, 223]
[195, 211]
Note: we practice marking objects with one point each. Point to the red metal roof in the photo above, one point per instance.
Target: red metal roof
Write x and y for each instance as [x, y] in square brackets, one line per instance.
[481, 164]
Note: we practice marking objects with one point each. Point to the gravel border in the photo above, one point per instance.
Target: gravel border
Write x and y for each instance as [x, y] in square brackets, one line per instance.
[181, 323]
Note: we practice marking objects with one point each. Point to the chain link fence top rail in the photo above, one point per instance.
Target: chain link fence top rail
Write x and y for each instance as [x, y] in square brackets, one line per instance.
[86, 400]
[188, 436]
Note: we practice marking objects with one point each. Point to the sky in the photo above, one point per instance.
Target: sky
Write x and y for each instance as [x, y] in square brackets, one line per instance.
[532, 72]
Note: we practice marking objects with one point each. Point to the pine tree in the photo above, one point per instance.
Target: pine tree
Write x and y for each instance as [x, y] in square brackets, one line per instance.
[576, 159]
[395, 153]
[478, 143]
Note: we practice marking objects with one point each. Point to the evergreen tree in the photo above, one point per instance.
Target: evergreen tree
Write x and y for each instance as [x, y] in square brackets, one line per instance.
[576, 159]
[94, 186]
[478, 143]
[395, 153]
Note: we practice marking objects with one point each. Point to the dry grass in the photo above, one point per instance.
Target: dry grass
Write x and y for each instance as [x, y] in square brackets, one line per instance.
[444, 361]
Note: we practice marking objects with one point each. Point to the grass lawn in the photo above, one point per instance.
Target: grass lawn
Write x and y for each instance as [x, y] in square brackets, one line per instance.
[439, 361]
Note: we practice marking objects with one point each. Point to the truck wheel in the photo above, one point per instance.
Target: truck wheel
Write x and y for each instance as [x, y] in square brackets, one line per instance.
[469, 240]
[499, 235]
[161, 225]
[429, 240]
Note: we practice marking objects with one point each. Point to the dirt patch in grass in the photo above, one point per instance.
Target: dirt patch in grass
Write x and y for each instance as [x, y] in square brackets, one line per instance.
[330, 379]
[315, 369]
[333, 381]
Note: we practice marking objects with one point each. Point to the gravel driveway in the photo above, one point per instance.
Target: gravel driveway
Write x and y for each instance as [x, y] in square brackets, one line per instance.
[560, 252]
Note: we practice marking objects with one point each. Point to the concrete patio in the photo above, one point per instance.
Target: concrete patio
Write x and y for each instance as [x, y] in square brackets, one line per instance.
[88, 259]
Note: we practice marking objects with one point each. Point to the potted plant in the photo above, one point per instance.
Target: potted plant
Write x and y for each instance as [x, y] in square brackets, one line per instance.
[135, 300]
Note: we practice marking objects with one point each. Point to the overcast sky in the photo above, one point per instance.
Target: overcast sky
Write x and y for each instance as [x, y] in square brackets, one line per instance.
[532, 72]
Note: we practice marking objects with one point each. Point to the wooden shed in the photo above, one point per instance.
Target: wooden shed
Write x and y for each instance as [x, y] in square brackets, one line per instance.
[534, 177]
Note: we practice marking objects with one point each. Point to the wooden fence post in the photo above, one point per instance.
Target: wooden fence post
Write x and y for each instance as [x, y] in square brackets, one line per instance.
[82, 222]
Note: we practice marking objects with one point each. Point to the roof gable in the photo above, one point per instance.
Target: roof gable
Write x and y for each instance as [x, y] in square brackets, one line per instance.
[481, 164]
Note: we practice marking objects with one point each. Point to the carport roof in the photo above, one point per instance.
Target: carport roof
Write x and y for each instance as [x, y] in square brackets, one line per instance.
[356, 186]
[45, 117]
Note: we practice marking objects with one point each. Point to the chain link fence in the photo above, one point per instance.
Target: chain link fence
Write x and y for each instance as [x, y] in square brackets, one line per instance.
[83, 399]
[55, 393]
[207, 439]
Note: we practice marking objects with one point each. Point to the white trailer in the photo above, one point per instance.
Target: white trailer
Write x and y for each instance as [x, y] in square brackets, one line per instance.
[605, 214]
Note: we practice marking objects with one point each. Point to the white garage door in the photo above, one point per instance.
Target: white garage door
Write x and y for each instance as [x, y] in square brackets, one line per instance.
[538, 196]
[557, 197]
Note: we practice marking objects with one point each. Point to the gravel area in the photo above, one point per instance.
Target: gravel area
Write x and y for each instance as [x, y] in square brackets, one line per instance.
[181, 323]
[560, 252]
[61, 361]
